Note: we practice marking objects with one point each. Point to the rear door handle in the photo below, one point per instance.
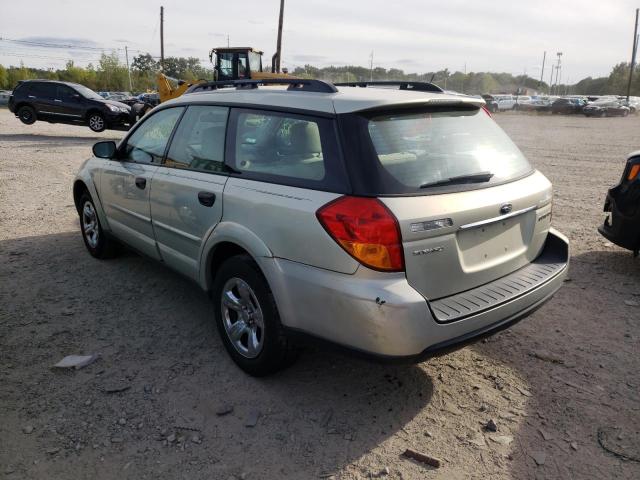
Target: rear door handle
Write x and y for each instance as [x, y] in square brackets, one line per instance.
[207, 198]
[141, 182]
[56, 100]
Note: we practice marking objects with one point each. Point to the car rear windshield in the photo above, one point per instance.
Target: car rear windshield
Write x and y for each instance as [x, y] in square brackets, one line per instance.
[432, 151]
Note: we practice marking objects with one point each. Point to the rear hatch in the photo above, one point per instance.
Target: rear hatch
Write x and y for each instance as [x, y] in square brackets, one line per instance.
[470, 207]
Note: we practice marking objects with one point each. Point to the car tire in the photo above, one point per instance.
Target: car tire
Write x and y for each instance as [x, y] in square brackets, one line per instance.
[96, 122]
[247, 318]
[27, 115]
[97, 243]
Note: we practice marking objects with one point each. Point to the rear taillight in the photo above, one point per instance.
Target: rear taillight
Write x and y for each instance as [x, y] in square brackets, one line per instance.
[634, 172]
[366, 229]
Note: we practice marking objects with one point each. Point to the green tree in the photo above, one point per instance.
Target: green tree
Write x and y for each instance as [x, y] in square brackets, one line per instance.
[4, 78]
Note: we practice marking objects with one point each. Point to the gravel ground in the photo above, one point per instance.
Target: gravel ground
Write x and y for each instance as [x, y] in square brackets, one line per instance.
[164, 400]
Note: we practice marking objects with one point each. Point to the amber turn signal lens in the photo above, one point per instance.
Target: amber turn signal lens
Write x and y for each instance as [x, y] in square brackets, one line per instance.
[633, 173]
[366, 229]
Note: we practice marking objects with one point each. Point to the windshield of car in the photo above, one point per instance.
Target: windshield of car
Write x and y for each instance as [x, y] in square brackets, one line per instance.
[429, 147]
[87, 92]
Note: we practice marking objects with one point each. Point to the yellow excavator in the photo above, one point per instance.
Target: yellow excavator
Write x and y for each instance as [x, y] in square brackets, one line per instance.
[231, 63]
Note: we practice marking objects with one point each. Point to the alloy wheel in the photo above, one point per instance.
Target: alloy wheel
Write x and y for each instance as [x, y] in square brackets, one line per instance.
[90, 227]
[96, 122]
[242, 317]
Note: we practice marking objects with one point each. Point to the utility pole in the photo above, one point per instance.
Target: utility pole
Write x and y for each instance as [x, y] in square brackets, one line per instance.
[633, 55]
[228, 44]
[279, 45]
[544, 57]
[161, 38]
[371, 67]
[126, 56]
[558, 68]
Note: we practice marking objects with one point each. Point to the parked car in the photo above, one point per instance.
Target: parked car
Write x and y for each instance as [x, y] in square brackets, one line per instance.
[522, 101]
[65, 102]
[149, 98]
[633, 103]
[491, 103]
[622, 208]
[606, 108]
[4, 97]
[436, 231]
[505, 102]
[567, 105]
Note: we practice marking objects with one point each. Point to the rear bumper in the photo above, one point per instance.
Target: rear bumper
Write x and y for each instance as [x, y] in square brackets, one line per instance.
[380, 314]
[618, 228]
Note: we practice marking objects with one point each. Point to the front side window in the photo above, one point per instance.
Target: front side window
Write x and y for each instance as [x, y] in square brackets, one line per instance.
[148, 142]
[280, 145]
[255, 62]
[199, 140]
[416, 150]
[225, 61]
[65, 93]
[87, 92]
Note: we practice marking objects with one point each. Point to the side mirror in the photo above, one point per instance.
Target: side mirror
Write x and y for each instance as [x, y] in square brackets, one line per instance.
[104, 149]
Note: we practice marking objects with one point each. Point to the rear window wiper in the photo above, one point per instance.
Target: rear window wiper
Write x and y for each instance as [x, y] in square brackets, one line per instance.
[471, 178]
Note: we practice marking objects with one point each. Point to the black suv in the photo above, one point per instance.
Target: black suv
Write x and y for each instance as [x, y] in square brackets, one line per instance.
[65, 102]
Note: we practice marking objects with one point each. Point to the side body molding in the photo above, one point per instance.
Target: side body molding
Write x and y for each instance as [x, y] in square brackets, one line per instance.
[231, 232]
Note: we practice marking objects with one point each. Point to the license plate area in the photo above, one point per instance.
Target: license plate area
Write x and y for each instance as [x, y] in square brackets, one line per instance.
[485, 246]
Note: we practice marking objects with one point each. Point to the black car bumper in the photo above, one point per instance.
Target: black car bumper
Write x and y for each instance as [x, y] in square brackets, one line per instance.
[119, 120]
[621, 229]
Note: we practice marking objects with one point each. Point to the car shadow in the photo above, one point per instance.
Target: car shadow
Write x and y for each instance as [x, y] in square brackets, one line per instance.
[163, 378]
[578, 358]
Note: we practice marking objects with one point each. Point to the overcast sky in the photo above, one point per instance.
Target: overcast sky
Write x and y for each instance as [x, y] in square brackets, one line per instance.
[416, 36]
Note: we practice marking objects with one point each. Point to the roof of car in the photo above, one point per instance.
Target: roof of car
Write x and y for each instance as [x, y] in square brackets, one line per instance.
[345, 100]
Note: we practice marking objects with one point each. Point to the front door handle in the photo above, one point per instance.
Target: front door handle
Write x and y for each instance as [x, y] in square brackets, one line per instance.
[141, 182]
[207, 198]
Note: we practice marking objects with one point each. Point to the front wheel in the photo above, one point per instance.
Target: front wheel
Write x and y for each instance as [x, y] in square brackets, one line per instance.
[27, 115]
[247, 318]
[97, 243]
[96, 122]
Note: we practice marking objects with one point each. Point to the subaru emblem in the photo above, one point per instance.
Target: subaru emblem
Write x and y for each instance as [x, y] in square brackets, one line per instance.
[506, 208]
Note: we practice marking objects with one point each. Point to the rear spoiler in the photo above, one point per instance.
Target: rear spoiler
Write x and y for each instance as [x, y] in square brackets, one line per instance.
[462, 101]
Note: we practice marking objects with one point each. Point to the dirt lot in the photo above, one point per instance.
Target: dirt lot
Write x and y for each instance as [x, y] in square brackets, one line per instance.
[149, 407]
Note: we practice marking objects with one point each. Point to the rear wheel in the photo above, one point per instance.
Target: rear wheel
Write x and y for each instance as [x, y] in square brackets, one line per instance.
[247, 318]
[27, 115]
[96, 122]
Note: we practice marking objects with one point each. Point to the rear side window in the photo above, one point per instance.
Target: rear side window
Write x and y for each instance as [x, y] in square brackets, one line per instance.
[412, 151]
[43, 90]
[286, 148]
[199, 140]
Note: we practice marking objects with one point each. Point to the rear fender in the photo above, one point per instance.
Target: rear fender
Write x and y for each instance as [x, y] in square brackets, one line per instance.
[233, 233]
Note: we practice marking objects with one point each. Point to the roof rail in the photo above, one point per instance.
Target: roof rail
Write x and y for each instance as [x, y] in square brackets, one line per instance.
[299, 84]
[417, 86]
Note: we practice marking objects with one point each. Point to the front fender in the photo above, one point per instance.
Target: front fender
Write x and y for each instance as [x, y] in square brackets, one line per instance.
[89, 175]
[233, 233]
